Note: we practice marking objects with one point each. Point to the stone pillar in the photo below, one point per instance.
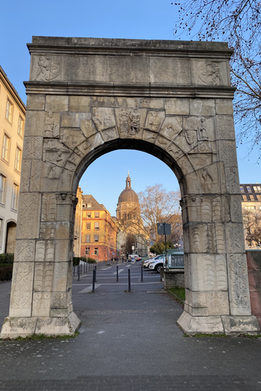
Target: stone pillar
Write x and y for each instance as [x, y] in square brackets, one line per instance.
[217, 297]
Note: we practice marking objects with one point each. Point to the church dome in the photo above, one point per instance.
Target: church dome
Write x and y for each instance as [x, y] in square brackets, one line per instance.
[128, 195]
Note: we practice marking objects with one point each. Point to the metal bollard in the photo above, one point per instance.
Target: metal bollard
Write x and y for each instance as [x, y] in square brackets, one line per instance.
[141, 273]
[129, 281]
[117, 273]
[93, 279]
[78, 272]
[95, 268]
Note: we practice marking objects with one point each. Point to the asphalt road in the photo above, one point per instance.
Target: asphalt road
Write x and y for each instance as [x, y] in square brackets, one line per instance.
[128, 341]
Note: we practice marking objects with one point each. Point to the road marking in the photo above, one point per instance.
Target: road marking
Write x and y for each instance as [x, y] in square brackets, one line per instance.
[107, 268]
[119, 271]
[89, 288]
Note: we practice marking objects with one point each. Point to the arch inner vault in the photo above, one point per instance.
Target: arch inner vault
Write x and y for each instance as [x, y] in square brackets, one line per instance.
[172, 99]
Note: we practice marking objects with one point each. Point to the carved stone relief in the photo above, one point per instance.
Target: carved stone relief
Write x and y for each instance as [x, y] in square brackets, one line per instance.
[103, 118]
[154, 120]
[129, 121]
[239, 290]
[52, 123]
[47, 69]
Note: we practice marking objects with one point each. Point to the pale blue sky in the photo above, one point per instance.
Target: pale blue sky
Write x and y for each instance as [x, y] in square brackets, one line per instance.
[144, 19]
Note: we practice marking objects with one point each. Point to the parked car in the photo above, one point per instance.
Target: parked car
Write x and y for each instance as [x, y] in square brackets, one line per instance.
[148, 261]
[157, 264]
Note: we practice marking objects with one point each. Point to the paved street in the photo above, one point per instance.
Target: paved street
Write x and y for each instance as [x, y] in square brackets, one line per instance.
[127, 341]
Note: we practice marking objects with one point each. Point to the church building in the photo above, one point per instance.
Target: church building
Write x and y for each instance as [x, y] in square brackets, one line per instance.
[133, 237]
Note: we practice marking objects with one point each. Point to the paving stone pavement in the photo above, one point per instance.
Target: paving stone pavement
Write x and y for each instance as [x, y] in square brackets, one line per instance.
[127, 341]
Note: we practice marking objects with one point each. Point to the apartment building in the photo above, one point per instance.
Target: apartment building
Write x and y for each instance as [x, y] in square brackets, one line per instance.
[12, 119]
[99, 231]
[251, 209]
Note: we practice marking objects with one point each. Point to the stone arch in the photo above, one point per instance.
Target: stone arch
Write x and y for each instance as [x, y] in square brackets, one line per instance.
[172, 99]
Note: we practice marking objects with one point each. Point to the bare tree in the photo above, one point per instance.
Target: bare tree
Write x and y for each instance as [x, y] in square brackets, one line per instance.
[157, 206]
[239, 23]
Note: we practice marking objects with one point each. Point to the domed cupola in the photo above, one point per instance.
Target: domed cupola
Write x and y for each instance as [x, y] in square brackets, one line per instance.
[128, 195]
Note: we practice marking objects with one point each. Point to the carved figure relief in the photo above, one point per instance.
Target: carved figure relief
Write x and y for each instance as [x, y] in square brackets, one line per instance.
[47, 70]
[195, 133]
[239, 282]
[129, 121]
[154, 120]
[51, 124]
[210, 73]
[206, 180]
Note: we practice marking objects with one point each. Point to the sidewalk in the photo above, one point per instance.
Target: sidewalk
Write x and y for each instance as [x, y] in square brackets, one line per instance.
[128, 341]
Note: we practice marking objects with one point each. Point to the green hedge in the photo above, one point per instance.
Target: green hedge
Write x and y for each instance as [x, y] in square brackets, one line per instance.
[6, 258]
[6, 272]
[76, 260]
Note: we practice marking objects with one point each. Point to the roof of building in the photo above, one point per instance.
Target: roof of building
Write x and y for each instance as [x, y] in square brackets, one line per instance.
[251, 192]
[90, 203]
[11, 89]
[128, 194]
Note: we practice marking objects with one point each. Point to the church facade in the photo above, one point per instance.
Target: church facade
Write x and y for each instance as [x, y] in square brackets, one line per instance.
[132, 237]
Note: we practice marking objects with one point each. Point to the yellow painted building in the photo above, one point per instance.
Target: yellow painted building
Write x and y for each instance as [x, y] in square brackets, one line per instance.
[12, 119]
[99, 231]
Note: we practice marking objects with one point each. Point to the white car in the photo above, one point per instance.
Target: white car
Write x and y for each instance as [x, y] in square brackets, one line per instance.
[148, 261]
[157, 264]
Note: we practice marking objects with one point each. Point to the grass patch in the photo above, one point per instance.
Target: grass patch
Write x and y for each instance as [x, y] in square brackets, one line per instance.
[41, 337]
[178, 293]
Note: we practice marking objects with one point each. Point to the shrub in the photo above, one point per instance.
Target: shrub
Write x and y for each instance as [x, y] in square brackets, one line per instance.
[76, 261]
[6, 258]
[6, 272]
[91, 260]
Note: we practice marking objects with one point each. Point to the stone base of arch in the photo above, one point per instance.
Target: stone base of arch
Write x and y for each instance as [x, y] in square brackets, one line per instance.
[15, 327]
[229, 325]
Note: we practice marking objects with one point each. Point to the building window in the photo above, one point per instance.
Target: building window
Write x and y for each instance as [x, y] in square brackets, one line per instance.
[88, 239]
[89, 205]
[15, 194]
[88, 226]
[96, 225]
[6, 148]
[97, 215]
[89, 214]
[2, 188]
[18, 159]
[249, 189]
[87, 250]
[96, 238]
[9, 111]
[96, 251]
[20, 128]
[257, 189]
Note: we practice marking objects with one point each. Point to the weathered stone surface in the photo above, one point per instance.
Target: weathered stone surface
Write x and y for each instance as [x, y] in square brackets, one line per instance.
[202, 107]
[34, 123]
[224, 106]
[238, 285]
[21, 293]
[225, 127]
[240, 325]
[201, 324]
[178, 106]
[79, 104]
[29, 216]
[56, 104]
[35, 102]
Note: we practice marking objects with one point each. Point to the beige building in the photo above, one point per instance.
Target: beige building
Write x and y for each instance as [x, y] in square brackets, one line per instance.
[251, 209]
[12, 118]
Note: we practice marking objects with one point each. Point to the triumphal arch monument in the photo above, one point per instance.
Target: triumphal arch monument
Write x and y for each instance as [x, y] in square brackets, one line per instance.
[172, 99]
